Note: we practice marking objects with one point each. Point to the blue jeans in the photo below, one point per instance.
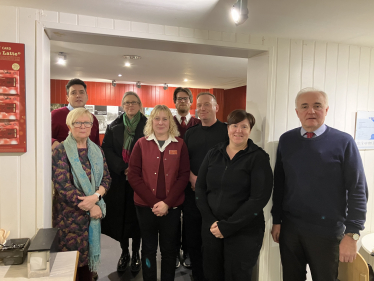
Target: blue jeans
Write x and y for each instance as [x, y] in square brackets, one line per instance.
[155, 228]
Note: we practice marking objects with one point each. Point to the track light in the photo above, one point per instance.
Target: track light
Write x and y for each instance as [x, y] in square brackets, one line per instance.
[114, 83]
[239, 12]
[166, 86]
[61, 58]
[138, 85]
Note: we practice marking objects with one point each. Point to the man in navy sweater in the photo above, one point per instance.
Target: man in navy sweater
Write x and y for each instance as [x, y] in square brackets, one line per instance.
[320, 194]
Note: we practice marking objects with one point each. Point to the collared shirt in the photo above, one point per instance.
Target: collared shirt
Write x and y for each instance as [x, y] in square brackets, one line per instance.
[70, 107]
[317, 132]
[169, 140]
[179, 118]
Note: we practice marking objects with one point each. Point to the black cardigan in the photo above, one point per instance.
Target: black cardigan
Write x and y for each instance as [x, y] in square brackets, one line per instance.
[234, 192]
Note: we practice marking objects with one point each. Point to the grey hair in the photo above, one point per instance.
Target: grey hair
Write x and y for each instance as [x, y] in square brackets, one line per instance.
[130, 93]
[206, 94]
[311, 89]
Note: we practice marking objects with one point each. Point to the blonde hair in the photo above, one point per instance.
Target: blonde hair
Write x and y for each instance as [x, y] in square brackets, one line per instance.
[75, 114]
[173, 129]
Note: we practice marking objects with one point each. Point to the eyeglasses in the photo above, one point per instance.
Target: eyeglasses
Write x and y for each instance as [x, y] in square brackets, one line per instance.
[185, 99]
[79, 124]
[128, 103]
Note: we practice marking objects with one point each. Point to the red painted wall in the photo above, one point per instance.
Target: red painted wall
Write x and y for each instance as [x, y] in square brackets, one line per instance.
[100, 93]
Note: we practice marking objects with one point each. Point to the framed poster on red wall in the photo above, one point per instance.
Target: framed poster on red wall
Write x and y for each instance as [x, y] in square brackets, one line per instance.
[12, 98]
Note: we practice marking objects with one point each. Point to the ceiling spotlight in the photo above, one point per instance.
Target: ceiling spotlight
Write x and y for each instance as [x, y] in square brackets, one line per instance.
[239, 12]
[119, 75]
[127, 64]
[114, 83]
[138, 85]
[166, 86]
[185, 80]
[61, 58]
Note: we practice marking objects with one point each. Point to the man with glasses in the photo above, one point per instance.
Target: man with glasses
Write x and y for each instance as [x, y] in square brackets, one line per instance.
[183, 100]
[76, 95]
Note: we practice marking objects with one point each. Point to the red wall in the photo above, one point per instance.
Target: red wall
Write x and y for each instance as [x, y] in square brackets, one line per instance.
[100, 93]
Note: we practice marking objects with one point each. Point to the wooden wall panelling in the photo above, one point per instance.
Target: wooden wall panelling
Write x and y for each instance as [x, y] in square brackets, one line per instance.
[308, 64]
[363, 79]
[281, 87]
[330, 80]
[296, 54]
[319, 71]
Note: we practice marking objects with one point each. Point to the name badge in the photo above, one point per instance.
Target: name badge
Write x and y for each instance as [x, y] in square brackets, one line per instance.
[173, 152]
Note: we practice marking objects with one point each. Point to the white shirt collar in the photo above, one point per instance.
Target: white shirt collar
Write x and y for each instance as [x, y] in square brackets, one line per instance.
[167, 142]
[179, 118]
[70, 107]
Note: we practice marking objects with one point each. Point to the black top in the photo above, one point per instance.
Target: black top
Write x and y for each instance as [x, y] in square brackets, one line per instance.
[200, 139]
[234, 192]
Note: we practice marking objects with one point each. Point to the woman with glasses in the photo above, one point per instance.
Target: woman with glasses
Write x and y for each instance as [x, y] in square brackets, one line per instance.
[159, 171]
[121, 222]
[80, 179]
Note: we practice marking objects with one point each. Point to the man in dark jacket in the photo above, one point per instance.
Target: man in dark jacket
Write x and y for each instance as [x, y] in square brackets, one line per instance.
[183, 100]
[199, 140]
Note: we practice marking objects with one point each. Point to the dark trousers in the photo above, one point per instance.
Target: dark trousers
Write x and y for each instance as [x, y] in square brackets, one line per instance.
[192, 218]
[135, 245]
[181, 236]
[152, 229]
[299, 247]
[83, 274]
[231, 258]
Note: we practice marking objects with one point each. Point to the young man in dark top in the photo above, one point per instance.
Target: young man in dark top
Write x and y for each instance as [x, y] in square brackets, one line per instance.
[183, 100]
[320, 194]
[199, 140]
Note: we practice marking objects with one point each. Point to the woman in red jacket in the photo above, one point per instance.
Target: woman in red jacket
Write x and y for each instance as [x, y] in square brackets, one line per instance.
[159, 171]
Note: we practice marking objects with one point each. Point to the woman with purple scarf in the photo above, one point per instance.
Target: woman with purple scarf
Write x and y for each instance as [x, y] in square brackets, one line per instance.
[121, 222]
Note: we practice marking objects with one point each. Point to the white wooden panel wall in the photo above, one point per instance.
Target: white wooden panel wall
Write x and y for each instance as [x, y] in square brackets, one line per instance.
[17, 171]
[346, 73]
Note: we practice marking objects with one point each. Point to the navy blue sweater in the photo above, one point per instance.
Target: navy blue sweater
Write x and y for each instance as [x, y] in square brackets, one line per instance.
[319, 183]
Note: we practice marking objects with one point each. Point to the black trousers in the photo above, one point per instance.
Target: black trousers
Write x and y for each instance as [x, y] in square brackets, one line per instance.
[181, 235]
[299, 247]
[231, 258]
[152, 229]
[135, 244]
[192, 218]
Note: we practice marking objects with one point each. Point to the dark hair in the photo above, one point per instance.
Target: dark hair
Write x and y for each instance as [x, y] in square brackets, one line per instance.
[75, 81]
[184, 90]
[206, 94]
[238, 115]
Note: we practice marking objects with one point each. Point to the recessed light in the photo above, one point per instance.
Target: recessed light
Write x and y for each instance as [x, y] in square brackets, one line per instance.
[127, 64]
[61, 58]
[185, 80]
[119, 75]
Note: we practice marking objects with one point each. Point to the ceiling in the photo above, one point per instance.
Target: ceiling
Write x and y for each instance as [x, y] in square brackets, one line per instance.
[342, 21]
[104, 63]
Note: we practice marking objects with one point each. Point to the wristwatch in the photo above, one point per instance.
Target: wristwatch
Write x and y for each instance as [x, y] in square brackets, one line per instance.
[98, 195]
[354, 236]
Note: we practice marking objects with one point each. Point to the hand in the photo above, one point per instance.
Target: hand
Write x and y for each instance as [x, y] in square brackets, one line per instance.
[193, 179]
[87, 202]
[215, 230]
[275, 232]
[95, 212]
[54, 145]
[347, 249]
[126, 171]
[160, 209]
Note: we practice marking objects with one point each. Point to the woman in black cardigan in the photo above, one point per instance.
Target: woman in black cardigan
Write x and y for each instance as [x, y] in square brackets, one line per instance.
[121, 221]
[234, 185]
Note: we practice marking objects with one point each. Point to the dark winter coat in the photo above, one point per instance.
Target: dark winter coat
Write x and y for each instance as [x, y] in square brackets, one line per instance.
[120, 222]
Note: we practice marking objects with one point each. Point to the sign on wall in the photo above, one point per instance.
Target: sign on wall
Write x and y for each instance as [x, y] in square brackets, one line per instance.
[12, 98]
[364, 134]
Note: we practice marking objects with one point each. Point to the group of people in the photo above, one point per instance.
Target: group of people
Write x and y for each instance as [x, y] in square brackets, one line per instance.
[167, 177]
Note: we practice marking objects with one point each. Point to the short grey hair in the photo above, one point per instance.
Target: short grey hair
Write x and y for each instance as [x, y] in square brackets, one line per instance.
[309, 90]
[131, 93]
[207, 94]
[75, 114]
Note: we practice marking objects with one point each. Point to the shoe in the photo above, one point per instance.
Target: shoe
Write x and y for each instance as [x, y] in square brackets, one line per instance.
[94, 276]
[136, 263]
[177, 262]
[187, 261]
[123, 262]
